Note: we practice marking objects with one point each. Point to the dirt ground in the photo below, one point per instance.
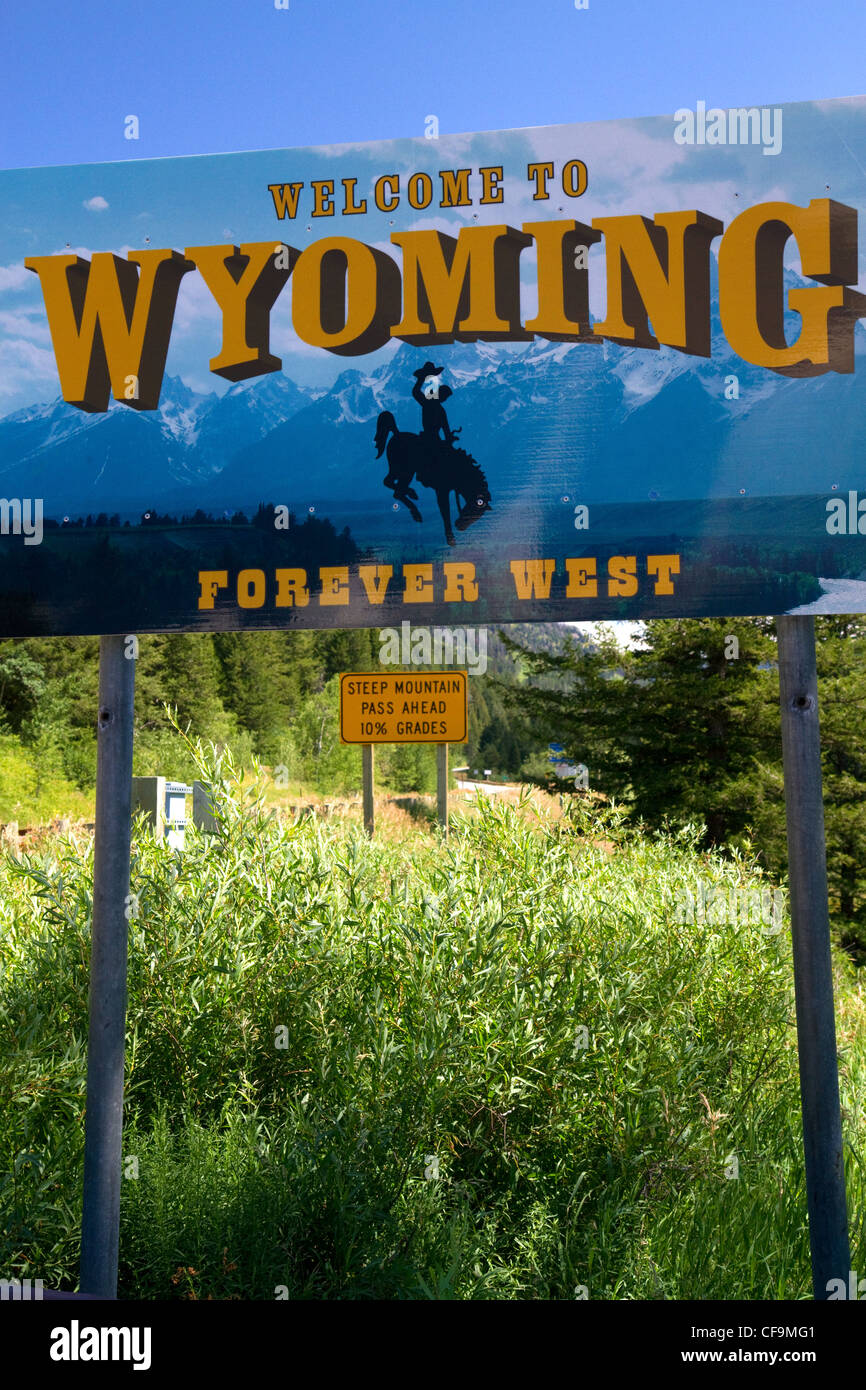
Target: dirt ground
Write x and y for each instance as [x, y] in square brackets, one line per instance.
[396, 816]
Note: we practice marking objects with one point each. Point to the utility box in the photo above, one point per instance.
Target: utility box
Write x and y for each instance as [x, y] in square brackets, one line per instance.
[202, 811]
[176, 794]
[148, 794]
[165, 805]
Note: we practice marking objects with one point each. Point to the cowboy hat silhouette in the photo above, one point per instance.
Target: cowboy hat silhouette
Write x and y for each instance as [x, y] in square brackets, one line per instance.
[428, 370]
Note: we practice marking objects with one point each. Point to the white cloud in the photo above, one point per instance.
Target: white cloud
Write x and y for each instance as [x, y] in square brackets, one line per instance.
[15, 277]
[20, 325]
[27, 373]
[95, 204]
[196, 307]
[832, 105]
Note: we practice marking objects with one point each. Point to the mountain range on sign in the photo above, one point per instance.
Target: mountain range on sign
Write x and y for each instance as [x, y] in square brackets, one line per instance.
[594, 421]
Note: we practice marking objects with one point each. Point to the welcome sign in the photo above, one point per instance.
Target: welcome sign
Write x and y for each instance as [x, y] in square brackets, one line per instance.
[601, 371]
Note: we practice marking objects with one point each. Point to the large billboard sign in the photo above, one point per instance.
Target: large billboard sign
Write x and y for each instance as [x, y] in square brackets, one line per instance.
[593, 371]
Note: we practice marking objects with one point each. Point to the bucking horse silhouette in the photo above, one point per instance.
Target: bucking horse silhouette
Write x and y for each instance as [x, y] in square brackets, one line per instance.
[433, 461]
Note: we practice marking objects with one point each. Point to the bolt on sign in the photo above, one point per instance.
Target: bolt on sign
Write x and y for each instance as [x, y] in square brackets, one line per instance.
[404, 707]
[614, 370]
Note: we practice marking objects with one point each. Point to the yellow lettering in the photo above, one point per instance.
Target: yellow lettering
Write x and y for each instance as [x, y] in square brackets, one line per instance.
[622, 572]
[465, 288]
[460, 582]
[582, 582]
[386, 202]
[210, 582]
[285, 196]
[251, 588]
[375, 579]
[345, 296]
[292, 591]
[335, 585]
[532, 578]
[752, 294]
[563, 290]
[418, 583]
[455, 188]
[663, 566]
[658, 270]
[110, 321]
[244, 281]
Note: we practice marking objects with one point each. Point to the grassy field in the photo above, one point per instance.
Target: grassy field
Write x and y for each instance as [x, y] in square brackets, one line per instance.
[497, 1067]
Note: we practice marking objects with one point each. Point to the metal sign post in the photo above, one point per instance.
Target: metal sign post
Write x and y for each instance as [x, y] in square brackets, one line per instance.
[103, 1130]
[813, 974]
[367, 786]
[442, 785]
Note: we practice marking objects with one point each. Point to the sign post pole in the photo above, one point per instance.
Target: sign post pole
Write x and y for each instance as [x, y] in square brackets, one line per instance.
[103, 1129]
[442, 785]
[367, 785]
[813, 975]
[404, 707]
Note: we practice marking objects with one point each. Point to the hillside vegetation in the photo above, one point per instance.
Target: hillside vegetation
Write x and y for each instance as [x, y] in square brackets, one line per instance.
[272, 695]
[498, 1067]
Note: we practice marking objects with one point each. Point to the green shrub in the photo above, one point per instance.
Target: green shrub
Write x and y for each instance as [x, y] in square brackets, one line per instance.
[493, 1067]
[33, 785]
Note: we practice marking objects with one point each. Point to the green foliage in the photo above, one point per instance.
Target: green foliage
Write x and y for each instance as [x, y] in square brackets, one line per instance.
[255, 683]
[33, 788]
[841, 657]
[314, 1018]
[22, 684]
[407, 767]
[684, 730]
[319, 757]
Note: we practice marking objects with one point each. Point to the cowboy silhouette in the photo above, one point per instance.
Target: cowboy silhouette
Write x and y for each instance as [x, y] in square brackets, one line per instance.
[434, 421]
[432, 458]
[436, 434]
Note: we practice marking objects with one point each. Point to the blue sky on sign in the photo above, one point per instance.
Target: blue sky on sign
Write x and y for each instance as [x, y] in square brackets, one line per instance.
[210, 76]
[205, 76]
[635, 165]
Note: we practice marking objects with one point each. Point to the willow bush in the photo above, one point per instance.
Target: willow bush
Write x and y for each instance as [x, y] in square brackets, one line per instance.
[501, 1066]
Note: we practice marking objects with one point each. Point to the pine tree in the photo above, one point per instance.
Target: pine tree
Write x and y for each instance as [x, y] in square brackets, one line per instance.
[673, 728]
[705, 715]
[190, 672]
[255, 685]
[841, 661]
[348, 649]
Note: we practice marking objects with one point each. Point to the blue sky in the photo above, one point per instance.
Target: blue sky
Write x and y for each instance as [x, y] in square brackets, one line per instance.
[210, 76]
[635, 165]
[226, 76]
[205, 76]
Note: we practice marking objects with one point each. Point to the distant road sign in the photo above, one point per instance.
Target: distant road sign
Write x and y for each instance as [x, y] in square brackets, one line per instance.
[403, 707]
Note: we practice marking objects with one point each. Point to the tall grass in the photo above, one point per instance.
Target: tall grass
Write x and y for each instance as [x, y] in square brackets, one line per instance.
[496, 1067]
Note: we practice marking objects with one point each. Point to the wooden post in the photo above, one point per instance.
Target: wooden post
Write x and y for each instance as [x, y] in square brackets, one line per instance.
[103, 1125]
[367, 785]
[813, 975]
[442, 785]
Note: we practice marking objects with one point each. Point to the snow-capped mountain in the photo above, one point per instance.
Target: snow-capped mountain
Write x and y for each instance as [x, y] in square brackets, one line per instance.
[123, 458]
[544, 420]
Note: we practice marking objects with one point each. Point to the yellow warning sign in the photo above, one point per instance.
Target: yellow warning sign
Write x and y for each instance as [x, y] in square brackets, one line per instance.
[403, 707]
